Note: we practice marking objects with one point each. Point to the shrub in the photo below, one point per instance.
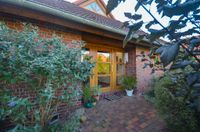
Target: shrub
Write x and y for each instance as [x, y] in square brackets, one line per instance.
[150, 95]
[174, 106]
[48, 68]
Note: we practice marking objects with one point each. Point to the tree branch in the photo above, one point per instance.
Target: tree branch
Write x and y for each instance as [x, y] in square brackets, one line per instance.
[187, 50]
[193, 22]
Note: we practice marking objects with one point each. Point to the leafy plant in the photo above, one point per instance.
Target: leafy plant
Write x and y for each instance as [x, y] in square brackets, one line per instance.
[47, 73]
[87, 95]
[180, 52]
[174, 104]
[129, 82]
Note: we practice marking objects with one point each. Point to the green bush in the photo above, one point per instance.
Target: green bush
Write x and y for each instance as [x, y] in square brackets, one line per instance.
[48, 68]
[150, 95]
[173, 105]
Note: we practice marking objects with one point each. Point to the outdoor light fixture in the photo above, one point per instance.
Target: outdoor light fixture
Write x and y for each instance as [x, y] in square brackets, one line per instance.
[125, 57]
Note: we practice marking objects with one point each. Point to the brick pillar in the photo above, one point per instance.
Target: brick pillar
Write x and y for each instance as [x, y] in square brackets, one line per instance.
[131, 64]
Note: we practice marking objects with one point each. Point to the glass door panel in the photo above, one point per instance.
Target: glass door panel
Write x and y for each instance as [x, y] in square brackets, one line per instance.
[120, 68]
[103, 56]
[119, 57]
[104, 81]
[103, 68]
[119, 80]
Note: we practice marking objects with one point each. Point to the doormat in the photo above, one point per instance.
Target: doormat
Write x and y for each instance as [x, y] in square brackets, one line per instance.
[113, 97]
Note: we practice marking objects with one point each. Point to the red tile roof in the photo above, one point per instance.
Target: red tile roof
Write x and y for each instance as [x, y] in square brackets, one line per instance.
[78, 2]
[73, 9]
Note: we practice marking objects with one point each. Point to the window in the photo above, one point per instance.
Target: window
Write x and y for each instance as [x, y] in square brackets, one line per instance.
[120, 67]
[95, 8]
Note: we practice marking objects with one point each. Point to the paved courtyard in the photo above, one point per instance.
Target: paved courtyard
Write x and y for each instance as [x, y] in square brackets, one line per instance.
[128, 114]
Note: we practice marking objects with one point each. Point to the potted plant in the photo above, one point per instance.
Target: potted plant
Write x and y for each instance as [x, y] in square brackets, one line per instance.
[87, 97]
[129, 84]
[96, 92]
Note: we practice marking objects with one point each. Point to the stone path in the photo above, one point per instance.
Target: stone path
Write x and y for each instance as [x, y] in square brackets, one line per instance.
[128, 114]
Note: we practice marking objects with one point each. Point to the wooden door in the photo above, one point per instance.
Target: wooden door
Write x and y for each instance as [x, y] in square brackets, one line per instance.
[109, 67]
[103, 73]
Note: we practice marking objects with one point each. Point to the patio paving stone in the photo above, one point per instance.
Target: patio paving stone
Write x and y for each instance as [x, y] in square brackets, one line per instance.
[128, 114]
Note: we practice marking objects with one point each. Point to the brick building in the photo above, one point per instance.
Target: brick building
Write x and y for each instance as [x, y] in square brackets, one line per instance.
[85, 20]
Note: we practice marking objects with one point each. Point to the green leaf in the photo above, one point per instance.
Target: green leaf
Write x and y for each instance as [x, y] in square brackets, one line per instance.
[179, 9]
[196, 52]
[160, 5]
[194, 43]
[195, 66]
[197, 104]
[112, 4]
[146, 2]
[176, 24]
[137, 6]
[155, 34]
[168, 53]
[125, 24]
[192, 78]
[196, 17]
[185, 33]
[136, 17]
[181, 64]
[197, 86]
[150, 24]
[132, 29]
[127, 14]
[197, 11]
[136, 26]
[177, 2]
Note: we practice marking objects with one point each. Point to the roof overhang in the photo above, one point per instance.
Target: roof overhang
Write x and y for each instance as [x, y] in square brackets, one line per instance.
[48, 14]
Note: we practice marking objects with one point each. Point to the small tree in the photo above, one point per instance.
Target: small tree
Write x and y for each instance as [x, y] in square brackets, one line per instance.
[186, 12]
[51, 73]
[183, 49]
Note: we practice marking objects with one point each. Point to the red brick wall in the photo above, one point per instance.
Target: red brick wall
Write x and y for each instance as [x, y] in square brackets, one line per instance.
[45, 30]
[131, 64]
[144, 75]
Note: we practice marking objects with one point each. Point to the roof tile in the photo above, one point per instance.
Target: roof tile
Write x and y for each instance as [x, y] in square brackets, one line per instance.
[73, 9]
